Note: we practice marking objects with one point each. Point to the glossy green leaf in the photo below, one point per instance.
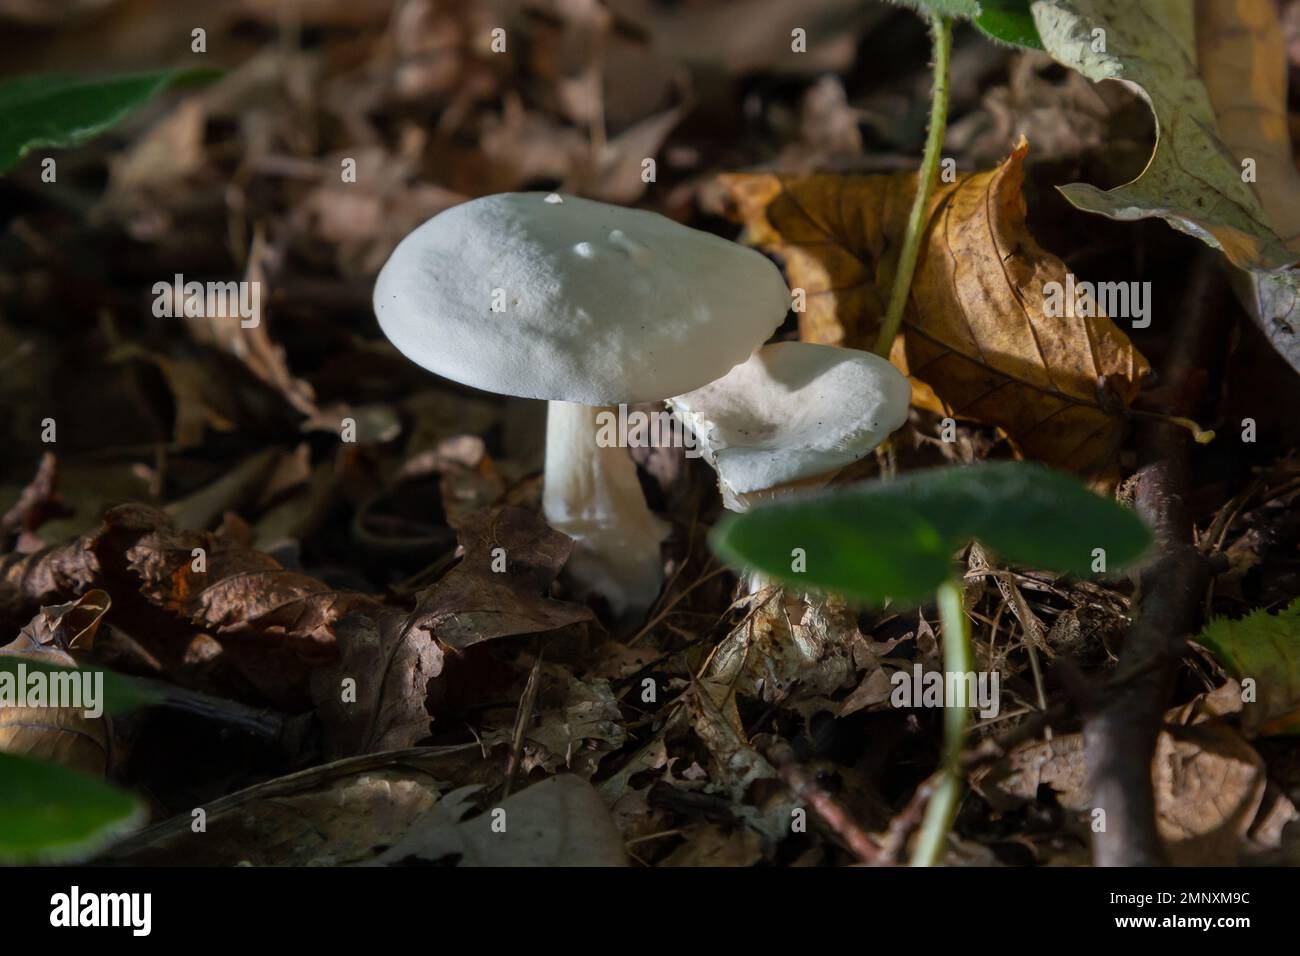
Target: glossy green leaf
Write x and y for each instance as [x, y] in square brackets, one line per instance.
[896, 540]
[57, 110]
[51, 814]
[1009, 21]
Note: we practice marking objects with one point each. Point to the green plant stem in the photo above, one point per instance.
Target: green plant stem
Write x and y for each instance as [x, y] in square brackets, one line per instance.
[942, 808]
[941, 35]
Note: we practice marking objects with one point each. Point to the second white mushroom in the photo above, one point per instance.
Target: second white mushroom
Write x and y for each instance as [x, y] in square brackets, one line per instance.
[793, 412]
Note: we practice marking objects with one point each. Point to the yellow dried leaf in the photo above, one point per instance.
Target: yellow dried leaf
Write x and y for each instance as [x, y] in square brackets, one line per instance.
[976, 340]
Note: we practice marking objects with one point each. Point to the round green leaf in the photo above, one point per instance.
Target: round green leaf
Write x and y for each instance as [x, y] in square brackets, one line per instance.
[51, 814]
[1010, 22]
[867, 547]
[895, 540]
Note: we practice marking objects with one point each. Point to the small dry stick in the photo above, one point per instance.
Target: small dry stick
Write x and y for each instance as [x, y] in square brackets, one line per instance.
[836, 815]
[522, 719]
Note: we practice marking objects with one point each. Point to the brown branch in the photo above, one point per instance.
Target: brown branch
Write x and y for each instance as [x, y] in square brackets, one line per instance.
[834, 813]
[1120, 731]
[907, 820]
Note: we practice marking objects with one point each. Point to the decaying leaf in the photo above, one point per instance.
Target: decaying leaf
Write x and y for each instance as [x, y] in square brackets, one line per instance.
[246, 337]
[391, 665]
[977, 339]
[61, 735]
[1213, 800]
[1214, 74]
[341, 813]
[586, 726]
[499, 588]
[408, 668]
[1211, 795]
[29, 581]
[790, 651]
[561, 821]
[707, 845]
[1265, 648]
[276, 624]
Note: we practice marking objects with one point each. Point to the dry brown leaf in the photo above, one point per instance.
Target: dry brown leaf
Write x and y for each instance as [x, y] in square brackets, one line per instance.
[392, 666]
[341, 813]
[62, 735]
[28, 581]
[499, 589]
[976, 340]
[252, 344]
[561, 821]
[410, 668]
[1213, 799]
[275, 624]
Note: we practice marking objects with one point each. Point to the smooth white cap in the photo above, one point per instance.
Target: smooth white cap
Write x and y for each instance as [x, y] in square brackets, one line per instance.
[602, 304]
[794, 410]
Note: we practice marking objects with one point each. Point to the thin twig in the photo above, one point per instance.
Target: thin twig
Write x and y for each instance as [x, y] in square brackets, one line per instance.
[835, 814]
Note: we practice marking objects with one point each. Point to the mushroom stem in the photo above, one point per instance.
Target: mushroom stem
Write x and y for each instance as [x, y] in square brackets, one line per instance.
[592, 494]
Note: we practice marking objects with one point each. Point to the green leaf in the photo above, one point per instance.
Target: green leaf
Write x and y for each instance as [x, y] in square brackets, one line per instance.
[56, 110]
[1266, 648]
[119, 693]
[51, 814]
[956, 9]
[1009, 21]
[896, 540]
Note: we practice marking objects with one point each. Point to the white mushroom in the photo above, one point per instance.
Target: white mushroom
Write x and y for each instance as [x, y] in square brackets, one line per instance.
[584, 305]
[793, 412]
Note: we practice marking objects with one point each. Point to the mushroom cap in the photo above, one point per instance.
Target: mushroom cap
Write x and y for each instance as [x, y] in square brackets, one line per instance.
[794, 410]
[602, 304]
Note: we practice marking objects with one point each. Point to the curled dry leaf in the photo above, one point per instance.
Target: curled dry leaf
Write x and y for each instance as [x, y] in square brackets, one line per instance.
[274, 623]
[789, 650]
[499, 588]
[29, 581]
[580, 732]
[976, 340]
[61, 735]
[409, 668]
[1215, 76]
